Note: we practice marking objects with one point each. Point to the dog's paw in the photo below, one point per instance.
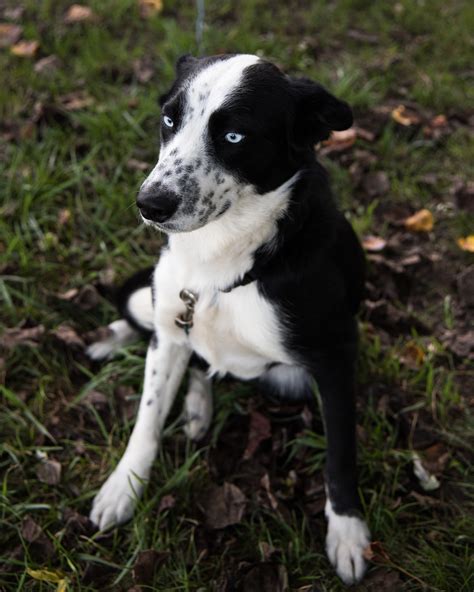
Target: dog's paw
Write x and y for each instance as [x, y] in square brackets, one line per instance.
[116, 500]
[346, 540]
[101, 350]
[198, 406]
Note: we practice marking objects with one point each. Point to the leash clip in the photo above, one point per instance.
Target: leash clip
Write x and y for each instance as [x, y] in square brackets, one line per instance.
[185, 319]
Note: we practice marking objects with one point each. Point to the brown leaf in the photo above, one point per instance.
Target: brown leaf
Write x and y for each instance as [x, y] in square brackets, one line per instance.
[466, 243]
[96, 399]
[421, 221]
[376, 183]
[143, 70]
[48, 65]
[435, 458]
[405, 117]
[266, 577]
[19, 336]
[77, 13]
[25, 49]
[137, 165]
[145, 565]
[49, 472]
[260, 429]
[223, 506]
[30, 531]
[376, 553]
[9, 34]
[68, 336]
[166, 503]
[149, 8]
[374, 243]
[412, 355]
[75, 101]
[339, 141]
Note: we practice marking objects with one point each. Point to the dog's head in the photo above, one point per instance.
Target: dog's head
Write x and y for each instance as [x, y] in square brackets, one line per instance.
[231, 126]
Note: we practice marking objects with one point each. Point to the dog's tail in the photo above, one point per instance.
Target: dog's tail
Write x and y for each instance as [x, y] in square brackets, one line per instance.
[134, 301]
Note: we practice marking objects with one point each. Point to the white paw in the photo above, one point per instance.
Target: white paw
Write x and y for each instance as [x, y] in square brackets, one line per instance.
[101, 350]
[116, 500]
[346, 540]
[198, 406]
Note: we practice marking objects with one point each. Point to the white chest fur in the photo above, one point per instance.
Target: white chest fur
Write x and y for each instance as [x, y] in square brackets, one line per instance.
[236, 332]
[240, 331]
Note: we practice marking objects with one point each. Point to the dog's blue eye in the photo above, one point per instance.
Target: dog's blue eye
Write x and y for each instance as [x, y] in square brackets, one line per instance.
[168, 121]
[234, 137]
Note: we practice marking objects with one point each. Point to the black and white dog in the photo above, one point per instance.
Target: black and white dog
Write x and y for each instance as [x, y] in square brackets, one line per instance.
[261, 278]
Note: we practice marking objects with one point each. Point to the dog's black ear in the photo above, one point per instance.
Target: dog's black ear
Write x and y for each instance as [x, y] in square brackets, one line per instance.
[317, 112]
[185, 64]
[183, 67]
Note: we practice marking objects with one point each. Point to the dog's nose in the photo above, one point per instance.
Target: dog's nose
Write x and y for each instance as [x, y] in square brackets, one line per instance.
[157, 204]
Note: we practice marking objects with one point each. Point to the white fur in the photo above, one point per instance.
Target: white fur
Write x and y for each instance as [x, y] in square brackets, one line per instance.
[140, 306]
[122, 333]
[346, 539]
[198, 405]
[164, 370]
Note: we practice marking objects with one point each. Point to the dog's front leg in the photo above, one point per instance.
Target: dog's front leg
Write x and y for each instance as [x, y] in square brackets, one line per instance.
[347, 534]
[165, 366]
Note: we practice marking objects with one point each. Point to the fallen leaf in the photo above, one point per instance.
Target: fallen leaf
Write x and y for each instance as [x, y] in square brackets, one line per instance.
[436, 458]
[20, 336]
[49, 471]
[376, 183]
[427, 481]
[25, 49]
[260, 429]
[137, 165]
[75, 101]
[466, 243]
[339, 141]
[143, 70]
[145, 565]
[375, 552]
[421, 221]
[373, 243]
[412, 355]
[223, 506]
[96, 399]
[149, 8]
[47, 65]
[64, 215]
[404, 117]
[14, 13]
[166, 503]
[30, 531]
[265, 483]
[45, 575]
[77, 13]
[68, 336]
[9, 34]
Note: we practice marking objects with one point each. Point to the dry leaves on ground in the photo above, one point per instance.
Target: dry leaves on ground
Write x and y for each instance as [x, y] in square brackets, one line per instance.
[21, 336]
[49, 471]
[466, 243]
[77, 13]
[68, 336]
[373, 243]
[223, 506]
[260, 429]
[9, 34]
[25, 49]
[421, 221]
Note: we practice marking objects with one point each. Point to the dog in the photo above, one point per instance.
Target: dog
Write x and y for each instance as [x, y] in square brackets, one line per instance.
[261, 277]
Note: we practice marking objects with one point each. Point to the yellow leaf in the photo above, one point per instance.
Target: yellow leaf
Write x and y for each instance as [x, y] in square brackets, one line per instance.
[45, 575]
[467, 243]
[25, 49]
[78, 14]
[421, 221]
[403, 117]
[149, 8]
[62, 586]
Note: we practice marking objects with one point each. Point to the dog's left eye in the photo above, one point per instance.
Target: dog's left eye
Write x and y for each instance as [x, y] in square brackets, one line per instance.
[234, 137]
[168, 121]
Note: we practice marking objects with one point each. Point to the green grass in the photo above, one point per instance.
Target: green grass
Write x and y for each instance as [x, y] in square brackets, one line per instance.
[67, 215]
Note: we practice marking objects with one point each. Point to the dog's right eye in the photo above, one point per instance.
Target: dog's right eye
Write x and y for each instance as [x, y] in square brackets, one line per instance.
[168, 121]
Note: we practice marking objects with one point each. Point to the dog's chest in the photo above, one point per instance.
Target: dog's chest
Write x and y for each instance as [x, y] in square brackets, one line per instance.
[237, 332]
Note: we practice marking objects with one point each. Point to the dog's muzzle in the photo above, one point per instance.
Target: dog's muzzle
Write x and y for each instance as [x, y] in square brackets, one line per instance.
[157, 204]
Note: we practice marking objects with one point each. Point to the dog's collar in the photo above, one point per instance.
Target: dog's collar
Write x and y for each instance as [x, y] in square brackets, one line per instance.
[185, 320]
[248, 278]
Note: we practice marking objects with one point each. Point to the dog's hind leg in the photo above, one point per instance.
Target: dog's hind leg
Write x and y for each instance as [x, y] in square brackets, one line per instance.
[198, 405]
[166, 363]
[121, 333]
